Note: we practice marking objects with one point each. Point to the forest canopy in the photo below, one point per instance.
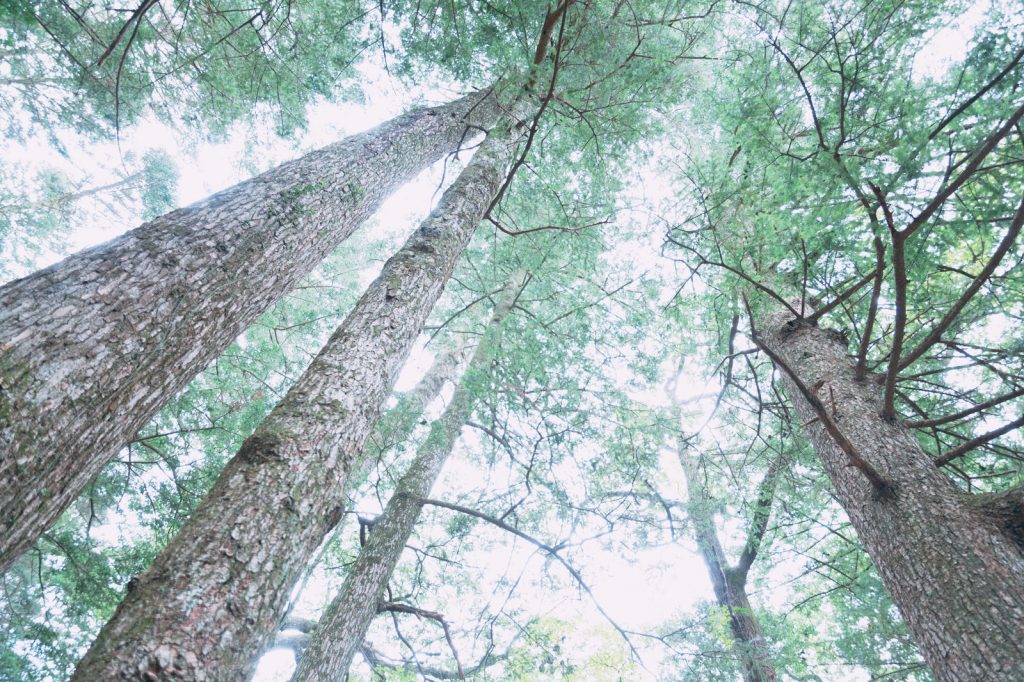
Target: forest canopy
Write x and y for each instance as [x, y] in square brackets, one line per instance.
[512, 340]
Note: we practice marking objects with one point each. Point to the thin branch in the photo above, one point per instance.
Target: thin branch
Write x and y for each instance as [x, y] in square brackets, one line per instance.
[965, 174]
[876, 292]
[551, 551]
[980, 407]
[963, 449]
[936, 333]
[396, 607]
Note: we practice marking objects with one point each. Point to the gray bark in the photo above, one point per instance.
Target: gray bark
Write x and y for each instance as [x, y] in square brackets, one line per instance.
[955, 573]
[394, 426]
[213, 599]
[730, 582]
[344, 624]
[93, 346]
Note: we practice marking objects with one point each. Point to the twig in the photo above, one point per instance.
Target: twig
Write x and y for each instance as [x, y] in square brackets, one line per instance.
[551, 551]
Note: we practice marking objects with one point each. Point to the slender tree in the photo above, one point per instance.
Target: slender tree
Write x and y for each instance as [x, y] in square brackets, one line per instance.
[93, 346]
[730, 580]
[284, 490]
[344, 624]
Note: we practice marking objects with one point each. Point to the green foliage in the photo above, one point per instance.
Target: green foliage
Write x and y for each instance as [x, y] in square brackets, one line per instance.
[96, 67]
[766, 123]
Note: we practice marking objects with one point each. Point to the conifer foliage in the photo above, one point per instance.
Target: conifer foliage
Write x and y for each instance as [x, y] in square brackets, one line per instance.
[681, 340]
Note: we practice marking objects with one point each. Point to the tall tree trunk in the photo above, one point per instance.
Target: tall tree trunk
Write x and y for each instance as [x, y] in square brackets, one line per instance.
[730, 582]
[214, 597]
[956, 574]
[93, 346]
[344, 624]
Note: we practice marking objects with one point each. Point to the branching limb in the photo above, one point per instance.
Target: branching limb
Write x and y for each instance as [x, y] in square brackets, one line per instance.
[980, 407]
[551, 551]
[990, 267]
[396, 607]
[964, 448]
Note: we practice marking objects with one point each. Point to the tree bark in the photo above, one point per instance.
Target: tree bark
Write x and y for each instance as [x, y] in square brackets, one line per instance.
[344, 624]
[955, 573]
[213, 599]
[730, 582]
[93, 346]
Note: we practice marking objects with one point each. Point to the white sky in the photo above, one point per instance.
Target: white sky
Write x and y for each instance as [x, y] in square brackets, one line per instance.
[640, 591]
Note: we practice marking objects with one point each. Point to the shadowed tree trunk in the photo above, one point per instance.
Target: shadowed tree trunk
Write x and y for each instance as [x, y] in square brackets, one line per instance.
[344, 624]
[93, 346]
[730, 582]
[955, 571]
[213, 599]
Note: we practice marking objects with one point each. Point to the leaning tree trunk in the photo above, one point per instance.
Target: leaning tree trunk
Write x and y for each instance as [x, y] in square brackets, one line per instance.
[956, 575]
[394, 426]
[93, 346]
[730, 582]
[343, 626]
[399, 422]
[214, 597]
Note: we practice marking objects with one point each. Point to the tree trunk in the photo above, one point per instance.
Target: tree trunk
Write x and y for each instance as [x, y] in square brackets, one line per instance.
[729, 582]
[344, 624]
[394, 426]
[93, 346]
[398, 423]
[214, 597]
[955, 572]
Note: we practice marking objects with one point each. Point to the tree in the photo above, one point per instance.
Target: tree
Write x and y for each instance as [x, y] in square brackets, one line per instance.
[284, 489]
[343, 626]
[93, 346]
[730, 580]
[839, 193]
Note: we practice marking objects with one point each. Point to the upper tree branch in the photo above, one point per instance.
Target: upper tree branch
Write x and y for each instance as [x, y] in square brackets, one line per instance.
[936, 333]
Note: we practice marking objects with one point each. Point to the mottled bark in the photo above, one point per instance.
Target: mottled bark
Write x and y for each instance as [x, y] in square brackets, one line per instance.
[215, 596]
[730, 582]
[394, 426]
[93, 346]
[955, 572]
[344, 624]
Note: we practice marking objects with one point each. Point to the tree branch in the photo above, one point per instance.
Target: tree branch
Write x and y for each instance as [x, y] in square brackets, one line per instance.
[964, 448]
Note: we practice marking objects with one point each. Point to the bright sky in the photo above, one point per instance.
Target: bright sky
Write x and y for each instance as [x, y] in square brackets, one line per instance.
[640, 591]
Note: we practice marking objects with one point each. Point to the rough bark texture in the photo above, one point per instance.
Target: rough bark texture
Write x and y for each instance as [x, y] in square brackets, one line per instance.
[215, 596]
[956, 573]
[93, 346]
[729, 582]
[344, 624]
